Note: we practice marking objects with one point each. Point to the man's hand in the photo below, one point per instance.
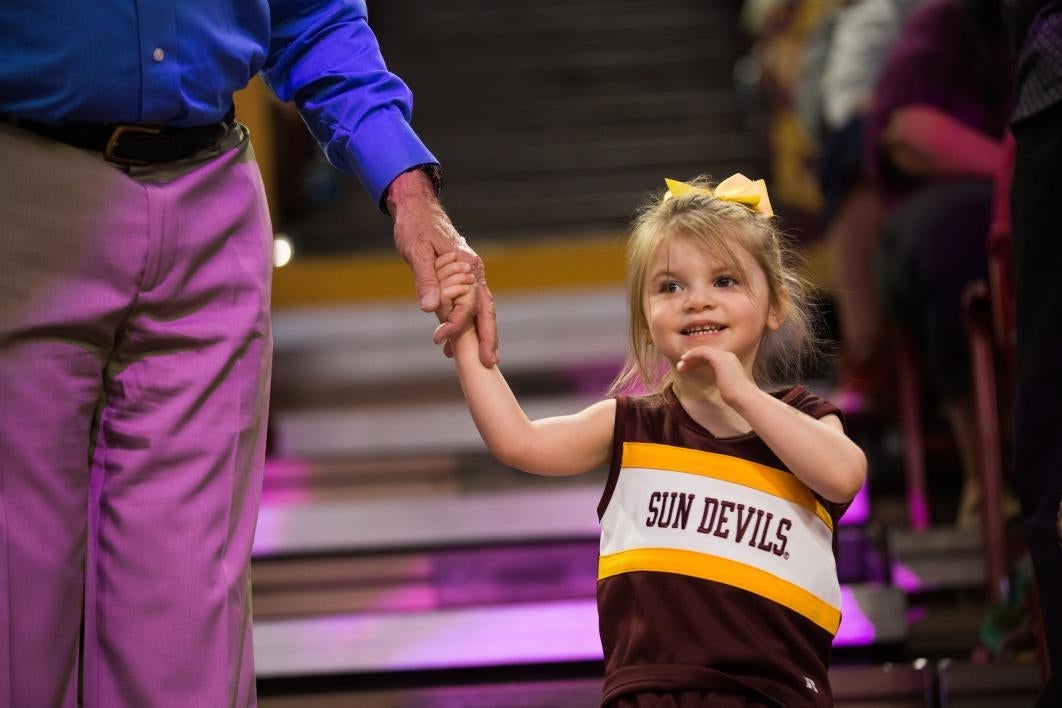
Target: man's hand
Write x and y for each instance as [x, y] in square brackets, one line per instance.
[422, 232]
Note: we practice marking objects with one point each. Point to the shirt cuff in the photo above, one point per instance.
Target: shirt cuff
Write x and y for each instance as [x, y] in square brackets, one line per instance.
[383, 147]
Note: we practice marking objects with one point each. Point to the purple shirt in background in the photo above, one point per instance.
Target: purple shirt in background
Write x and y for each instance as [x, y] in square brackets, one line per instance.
[932, 63]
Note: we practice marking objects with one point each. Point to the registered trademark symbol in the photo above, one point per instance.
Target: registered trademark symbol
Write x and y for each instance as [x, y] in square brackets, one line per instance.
[786, 555]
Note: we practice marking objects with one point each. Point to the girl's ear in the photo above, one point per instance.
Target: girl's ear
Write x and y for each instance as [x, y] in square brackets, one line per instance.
[776, 315]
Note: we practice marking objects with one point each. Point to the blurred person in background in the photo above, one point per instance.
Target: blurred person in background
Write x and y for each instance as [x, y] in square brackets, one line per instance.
[781, 32]
[135, 345]
[934, 141]
[1036, 193]
[841, 85]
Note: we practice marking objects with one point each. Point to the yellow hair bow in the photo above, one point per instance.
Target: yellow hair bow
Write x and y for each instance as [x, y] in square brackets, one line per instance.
[735, 188]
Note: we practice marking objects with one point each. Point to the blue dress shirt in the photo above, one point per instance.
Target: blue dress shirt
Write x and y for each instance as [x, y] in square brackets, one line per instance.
[178, 62]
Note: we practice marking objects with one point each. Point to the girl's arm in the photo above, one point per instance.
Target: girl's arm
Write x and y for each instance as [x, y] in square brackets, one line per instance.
[816, 451]
[562, 445]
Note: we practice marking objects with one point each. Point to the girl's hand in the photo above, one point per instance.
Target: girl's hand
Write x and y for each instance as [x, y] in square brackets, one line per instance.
[817, 451]
[707, 364]
[456, 287]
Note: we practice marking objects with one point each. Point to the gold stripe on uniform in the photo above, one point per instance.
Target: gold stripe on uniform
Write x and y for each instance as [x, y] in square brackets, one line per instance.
[723, 570]
[726, 468]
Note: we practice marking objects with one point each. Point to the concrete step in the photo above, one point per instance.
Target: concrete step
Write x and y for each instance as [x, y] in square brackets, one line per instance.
[921, 684]
[388, 344]
[938, 559]
[967, 685]
[511, 634]
[547, 513]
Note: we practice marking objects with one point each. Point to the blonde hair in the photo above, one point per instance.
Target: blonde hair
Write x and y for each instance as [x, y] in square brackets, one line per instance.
[717, 225]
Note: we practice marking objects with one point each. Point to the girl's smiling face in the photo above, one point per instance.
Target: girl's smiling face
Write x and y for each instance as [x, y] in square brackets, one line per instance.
[694, 298]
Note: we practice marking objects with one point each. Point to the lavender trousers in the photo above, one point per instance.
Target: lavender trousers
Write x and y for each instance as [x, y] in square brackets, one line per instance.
[135, 355]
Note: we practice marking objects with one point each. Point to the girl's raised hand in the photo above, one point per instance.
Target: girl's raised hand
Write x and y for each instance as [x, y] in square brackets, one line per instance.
[708, 364]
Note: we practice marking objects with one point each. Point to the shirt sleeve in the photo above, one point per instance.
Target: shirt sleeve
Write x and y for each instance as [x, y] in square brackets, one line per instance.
[808, 403]
[324, 56]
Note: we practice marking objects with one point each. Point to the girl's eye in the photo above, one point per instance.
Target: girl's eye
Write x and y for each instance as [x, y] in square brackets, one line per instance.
[670, 286]
[725, 281]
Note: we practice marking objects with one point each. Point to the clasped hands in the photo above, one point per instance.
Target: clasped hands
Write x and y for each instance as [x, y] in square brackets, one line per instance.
[423, 232]
[459, 295]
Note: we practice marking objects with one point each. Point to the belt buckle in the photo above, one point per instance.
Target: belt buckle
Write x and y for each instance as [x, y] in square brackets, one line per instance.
[112, 143]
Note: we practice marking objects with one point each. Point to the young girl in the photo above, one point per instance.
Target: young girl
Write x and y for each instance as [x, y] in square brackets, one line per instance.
[717, 582]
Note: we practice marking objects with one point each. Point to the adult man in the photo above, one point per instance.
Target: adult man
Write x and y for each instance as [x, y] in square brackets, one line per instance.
[134, 323]
[1036, 28]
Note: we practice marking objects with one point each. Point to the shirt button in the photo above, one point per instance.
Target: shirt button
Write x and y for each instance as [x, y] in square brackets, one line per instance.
[158, 54]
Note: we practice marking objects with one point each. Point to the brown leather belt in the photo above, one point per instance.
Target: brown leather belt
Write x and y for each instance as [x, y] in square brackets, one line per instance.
[133, 144]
